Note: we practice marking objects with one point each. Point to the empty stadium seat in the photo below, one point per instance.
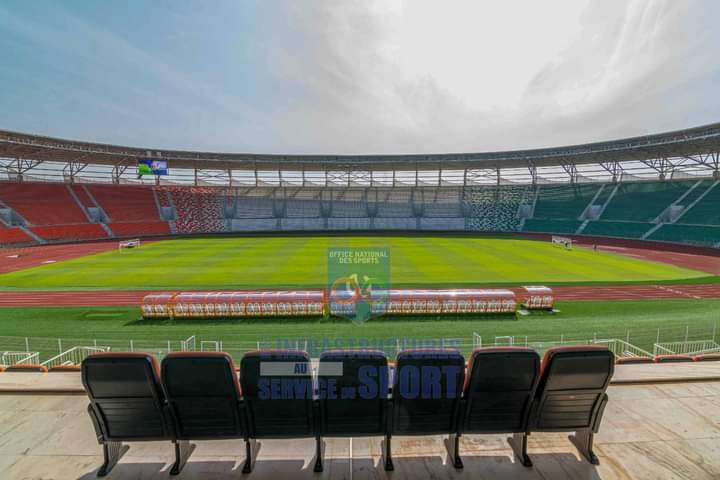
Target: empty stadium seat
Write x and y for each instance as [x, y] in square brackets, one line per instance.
[498, 394]
[632, 360]
[427, 386]
[355, 400]
[126, 402]
[30, 368]
[278, 397]
[570, 396]
[203, 395]
[707, 357]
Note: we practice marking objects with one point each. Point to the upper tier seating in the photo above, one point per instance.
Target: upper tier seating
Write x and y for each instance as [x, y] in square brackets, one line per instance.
[643, 201]
[706, 211]
[254, 207]
[564, 201]
[83, 196]
[42, 203]
[13, 236]
[126, 203]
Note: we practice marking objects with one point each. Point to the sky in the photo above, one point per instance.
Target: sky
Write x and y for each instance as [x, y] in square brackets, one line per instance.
[349, 77]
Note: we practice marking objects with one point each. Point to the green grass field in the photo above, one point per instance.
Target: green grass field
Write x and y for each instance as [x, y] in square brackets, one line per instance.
[577, 321]
[298, 261]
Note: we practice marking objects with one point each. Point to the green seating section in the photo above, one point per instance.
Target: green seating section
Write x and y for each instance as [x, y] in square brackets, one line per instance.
[564, 201]
[551, 226]
[693, 234]
[696, 192]
[617, 229]
[643, 201]
[706, 211]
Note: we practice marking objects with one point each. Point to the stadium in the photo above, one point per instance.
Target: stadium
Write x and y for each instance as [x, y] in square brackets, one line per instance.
[413, 268]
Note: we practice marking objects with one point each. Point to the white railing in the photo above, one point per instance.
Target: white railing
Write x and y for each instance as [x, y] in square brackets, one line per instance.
[73, 356]
[210, 346]
[621, 348]
[695, 347]
[188, 345]
[8, 359]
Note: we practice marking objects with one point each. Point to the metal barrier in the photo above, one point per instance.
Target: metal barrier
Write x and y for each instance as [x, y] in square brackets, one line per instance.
[696, 347]
[73, 356]
[622, 349]
[9, 358]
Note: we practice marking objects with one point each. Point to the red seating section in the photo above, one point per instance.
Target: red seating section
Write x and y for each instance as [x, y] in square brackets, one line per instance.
[13, 236]
[87, 231]
[83, 196]
[41, 203]
[137, 229]
[199, 209]
[125, 203]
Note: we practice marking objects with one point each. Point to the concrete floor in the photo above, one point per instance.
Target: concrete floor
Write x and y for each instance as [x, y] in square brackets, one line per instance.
[650, 431]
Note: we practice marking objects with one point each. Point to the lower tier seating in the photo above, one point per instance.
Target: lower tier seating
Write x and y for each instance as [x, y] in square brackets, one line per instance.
[693, 234]
[13, 236]
[617, 229]
[82, 231]
[139, 229]
[551, 226]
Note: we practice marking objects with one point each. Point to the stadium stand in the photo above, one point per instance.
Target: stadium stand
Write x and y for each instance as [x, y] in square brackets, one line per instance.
[87, 231]
[564, 201]
[198, 209]
[644, 201]
[617, 229]
[494, 208]
[551, 226]
[42, 203]
[14, 236]
[691, 234]
[127, 203]
[134, 229]
[706, 211]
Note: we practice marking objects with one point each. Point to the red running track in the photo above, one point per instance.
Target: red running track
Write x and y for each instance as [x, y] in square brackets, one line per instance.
[134, 298]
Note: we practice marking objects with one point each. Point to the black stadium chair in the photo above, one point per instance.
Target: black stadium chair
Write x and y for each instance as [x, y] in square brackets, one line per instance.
[203, 395]
[571, 396]
[126, 402]
[498, 394]
[427, 386]
[353, 402]
[277, 392]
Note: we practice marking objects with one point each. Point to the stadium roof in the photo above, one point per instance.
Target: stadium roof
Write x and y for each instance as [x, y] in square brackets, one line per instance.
[682, 143]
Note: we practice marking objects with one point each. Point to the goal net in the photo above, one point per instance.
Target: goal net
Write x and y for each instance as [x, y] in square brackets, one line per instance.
[134, 243]
[564, 242]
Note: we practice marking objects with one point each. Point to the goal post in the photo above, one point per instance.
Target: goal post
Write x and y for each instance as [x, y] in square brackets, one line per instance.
[564, 242]
[133, 243]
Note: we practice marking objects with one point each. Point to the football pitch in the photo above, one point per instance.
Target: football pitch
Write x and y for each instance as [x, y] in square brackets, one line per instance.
[301, 262]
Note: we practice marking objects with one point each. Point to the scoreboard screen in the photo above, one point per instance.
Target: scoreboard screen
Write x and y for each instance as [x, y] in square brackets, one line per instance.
[150, 166]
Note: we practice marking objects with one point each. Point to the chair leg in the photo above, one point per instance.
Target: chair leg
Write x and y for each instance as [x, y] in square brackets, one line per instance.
[583, 441]
[387, 453]
[452, 445]
[518, 442]
[319, 453]
[252, 447]
[112, 452]
[183, 450]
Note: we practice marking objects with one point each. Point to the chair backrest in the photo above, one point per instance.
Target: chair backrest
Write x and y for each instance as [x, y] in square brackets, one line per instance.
[203, 394]
[707, 357]
[427, 386]
[572, 385]
[633, 360]
[499, 389]
[278, 393]
[353, 391]
[126, 396]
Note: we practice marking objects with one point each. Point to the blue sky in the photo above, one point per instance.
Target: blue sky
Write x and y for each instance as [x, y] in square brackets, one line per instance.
[357, 77]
